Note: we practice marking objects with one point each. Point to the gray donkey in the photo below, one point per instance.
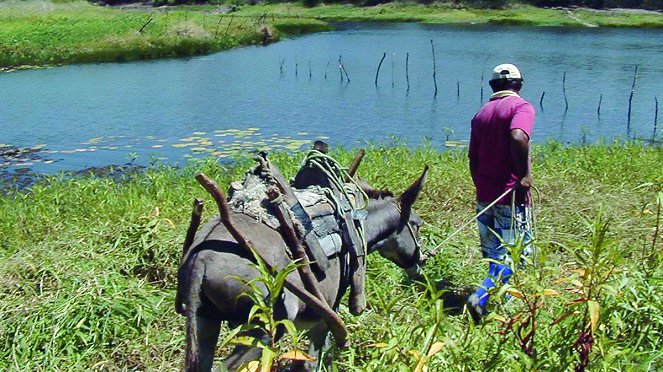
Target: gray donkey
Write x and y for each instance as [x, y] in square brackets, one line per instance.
[213, 276]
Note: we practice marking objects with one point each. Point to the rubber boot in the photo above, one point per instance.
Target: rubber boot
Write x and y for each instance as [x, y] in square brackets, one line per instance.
[479, 299]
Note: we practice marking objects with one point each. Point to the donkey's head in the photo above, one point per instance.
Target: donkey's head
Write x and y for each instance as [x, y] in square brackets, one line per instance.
[393, 227]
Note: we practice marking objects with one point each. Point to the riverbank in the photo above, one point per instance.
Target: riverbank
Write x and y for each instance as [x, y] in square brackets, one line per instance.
[42, 33]
[88, 267]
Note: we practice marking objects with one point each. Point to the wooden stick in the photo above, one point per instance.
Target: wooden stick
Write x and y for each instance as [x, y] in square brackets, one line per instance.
[653, 136]
[343, 70]
[281, 66]
[630, 100]
[566, 101]
[326, 67]
[335, 323]
[407, 70]
[296, 246]
[598, 109]
[309, 70]
[296, 67]
[355, 163]
[393, 66]
[193, 225]
[340, 66]
[434, 68]
[457, 90]
[377, 73]
[145, 25]
[541, 100]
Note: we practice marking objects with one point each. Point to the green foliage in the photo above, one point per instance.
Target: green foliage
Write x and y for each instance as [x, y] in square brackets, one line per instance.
[88, 265]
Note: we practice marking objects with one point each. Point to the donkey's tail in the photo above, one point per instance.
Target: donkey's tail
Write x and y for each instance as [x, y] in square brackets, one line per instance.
[192, 300]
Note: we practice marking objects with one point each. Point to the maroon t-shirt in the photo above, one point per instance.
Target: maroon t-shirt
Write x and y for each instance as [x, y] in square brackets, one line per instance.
[490, 146]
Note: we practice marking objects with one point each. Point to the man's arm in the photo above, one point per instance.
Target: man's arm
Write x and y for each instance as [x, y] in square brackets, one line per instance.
[520, 156]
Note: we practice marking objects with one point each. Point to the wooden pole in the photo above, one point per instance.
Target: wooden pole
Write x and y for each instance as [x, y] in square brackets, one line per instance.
[355, 164]
[541, 100]
[630, 101]
[482, 86]
[340, 66]
[310, 73]
[377, 73]
[407, 70]
[457, 90]
[598, 109]
[566, 101]
[483, 66]
[296, 67]
[332, 319]
[434, 68]
[653, 136]
[327, 67]
[145, 25]
[393, 66]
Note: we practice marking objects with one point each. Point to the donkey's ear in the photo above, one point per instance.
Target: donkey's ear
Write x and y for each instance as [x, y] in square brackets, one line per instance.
[410, 195]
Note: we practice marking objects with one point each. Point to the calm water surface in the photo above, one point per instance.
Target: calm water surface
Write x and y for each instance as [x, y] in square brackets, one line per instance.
[278, 96]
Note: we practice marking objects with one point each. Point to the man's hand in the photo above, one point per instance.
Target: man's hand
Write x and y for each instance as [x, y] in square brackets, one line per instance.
[525, 182]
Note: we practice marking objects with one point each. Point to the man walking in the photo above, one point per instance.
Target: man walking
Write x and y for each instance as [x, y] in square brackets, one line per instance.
[501, 169]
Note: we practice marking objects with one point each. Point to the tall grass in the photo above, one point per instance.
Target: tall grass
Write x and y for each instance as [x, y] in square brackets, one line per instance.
[88, 266]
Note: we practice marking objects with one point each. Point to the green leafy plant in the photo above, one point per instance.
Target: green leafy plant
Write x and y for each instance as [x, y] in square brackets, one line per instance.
[262, 318]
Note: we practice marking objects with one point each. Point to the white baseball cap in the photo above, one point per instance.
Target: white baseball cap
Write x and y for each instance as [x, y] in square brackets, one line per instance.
[506, 71]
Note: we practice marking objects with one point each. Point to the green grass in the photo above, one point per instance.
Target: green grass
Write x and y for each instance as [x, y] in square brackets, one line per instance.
[88, 266]
[43, 33]
[40, 32]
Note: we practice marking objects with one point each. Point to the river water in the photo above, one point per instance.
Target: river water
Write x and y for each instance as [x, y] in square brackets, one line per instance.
[284, 95]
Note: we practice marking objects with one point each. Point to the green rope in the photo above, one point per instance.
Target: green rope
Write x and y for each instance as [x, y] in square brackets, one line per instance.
[337, 174]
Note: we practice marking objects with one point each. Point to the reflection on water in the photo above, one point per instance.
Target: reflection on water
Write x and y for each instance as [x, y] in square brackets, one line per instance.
[287, 94]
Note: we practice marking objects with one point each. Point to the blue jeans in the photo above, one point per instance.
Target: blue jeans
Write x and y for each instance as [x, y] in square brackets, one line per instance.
[500, 221]
[500, 225]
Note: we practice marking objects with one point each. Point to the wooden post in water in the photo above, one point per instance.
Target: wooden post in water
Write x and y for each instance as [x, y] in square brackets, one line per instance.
[566, 101]
[377, 73]
[598, 109]
[327, 67]
[407, 70]
[296, 67]
[483, 66]
[541, 100]
[343, 70]
[481, 86]
[281, 66]
[457, 90]
[393, 66]
[630, 101]
[434, 69]
[340, 67]
[309, 70]
[653, 135]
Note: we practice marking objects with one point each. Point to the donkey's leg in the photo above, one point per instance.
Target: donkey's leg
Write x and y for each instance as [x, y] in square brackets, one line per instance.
[208, 336]
[320, 343]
